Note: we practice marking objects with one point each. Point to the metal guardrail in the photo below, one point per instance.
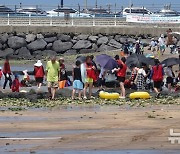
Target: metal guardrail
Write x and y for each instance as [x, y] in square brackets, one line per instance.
[59, 21]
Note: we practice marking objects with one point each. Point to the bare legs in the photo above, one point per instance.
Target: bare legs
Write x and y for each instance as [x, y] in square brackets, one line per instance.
[169, 87]
[79, 93]
[123, 91]
[52, 92]
[90, 89]
[39, 85]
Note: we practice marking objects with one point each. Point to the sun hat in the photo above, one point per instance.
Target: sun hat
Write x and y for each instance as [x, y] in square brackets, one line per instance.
[38, 64]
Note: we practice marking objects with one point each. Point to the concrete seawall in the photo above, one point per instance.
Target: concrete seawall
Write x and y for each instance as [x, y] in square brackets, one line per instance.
[128, 30]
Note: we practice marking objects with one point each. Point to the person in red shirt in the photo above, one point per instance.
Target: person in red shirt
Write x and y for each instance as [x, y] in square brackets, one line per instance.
[121, 75]
[7, 73]
[15, 84]
[157, 75]
[39, 73]
[90, 69]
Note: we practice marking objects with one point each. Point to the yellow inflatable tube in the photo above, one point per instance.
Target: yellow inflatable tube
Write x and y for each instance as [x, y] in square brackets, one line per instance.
[139, 95]
[106, 95]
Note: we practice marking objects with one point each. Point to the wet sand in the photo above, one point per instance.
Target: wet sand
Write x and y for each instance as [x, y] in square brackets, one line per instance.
[90, 128]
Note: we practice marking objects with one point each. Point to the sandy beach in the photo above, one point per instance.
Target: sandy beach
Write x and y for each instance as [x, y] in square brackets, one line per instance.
[90, 128]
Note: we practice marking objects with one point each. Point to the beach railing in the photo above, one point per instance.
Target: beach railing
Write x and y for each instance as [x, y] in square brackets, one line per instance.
[12, 20]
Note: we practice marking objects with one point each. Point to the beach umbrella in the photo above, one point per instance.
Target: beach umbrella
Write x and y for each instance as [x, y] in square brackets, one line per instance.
[82, 59]
[171, 61]
[137, 60]
[150, 61]
[106, 62]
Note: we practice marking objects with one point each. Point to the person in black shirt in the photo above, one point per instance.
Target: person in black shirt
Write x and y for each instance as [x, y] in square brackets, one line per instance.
[77, 81]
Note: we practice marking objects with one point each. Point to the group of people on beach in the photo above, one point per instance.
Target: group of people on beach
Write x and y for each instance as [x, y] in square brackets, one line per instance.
[86, 74]
[159, 46]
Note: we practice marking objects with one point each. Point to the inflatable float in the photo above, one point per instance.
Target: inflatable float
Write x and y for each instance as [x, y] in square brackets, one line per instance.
[106, 95]
[139, 95]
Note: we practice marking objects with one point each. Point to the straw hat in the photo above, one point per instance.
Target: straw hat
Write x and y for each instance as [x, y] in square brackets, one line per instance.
[38, 64]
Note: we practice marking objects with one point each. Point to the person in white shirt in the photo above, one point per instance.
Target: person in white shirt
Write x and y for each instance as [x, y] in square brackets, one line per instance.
[140, 78]
[153, 45]
[162, 44]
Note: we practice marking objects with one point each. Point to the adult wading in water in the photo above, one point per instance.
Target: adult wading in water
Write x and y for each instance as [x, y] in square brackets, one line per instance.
[7, 73]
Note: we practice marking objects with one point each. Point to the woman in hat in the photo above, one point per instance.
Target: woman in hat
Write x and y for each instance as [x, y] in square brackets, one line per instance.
[39, 73]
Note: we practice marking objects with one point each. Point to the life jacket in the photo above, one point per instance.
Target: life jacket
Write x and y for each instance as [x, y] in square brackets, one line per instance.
[122, 71]
[39, 72]
[157, 73]
[91, 72]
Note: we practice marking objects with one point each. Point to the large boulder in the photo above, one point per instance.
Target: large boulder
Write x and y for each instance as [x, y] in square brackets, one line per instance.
[115, 44]
[82, 37]
[132, 40]
[49, 34]
[105, 47]
[71, 52]
[40, 36]
[43, 54]
[48, 53]
[117, 38]
[64, 38]
[4, 38]
[74, 41]
[39, 44]
[1, 46]
[61, 47]
[49, 46]
[24, 53]
[23, 35]
[16, 42]
[30, 38]
[93, 39]
[102, 40]
[82, 44]
[83, 51]
[94, 46]
[111, 37]
[50, 39]
[123, 40]
[6, 52]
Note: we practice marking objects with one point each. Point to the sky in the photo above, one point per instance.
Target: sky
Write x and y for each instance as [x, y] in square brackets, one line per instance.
[74, 3]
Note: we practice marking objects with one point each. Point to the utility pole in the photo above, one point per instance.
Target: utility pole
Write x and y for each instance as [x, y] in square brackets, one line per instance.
[79, 9]
[62, 3]
[96, 4]
[115, 8]
[85, 4]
